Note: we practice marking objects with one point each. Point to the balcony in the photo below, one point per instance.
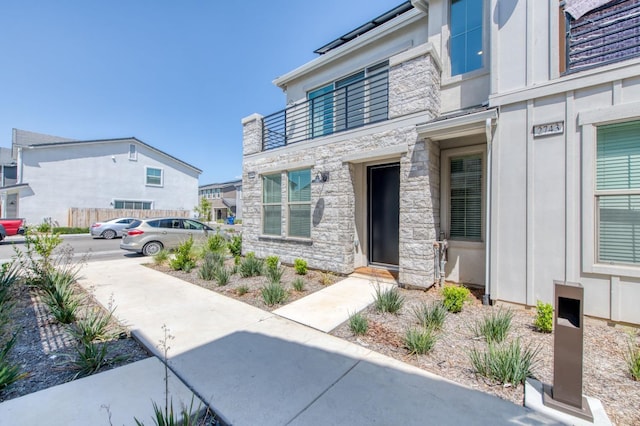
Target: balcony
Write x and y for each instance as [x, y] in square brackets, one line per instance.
[346, 107]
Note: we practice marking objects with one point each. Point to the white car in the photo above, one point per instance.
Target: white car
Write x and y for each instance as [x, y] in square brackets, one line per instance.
[111, 228]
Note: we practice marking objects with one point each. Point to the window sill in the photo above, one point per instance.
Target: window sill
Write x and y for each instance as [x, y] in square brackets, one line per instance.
[154, 186]
[448, 81]
[614, 269]
[293, 240]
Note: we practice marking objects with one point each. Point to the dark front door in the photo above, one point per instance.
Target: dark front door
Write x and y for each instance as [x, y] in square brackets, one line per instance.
[384, 213]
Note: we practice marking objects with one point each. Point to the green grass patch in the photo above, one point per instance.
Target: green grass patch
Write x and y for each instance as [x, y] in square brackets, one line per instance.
[431, 315]
[507, 363]
[274, 294]
[358, 324]
[389, 300]
[419, 341]
[298, 284]
[494, 326]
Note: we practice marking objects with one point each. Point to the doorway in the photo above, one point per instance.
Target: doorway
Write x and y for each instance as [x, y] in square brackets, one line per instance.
[383, 183]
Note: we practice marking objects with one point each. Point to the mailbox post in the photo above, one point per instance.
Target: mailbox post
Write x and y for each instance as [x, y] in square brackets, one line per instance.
[566, 393]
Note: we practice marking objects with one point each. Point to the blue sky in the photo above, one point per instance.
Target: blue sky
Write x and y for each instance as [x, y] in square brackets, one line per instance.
[178, 74]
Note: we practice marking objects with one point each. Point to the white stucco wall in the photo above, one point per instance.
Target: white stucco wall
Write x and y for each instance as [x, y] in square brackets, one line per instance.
[93, 175]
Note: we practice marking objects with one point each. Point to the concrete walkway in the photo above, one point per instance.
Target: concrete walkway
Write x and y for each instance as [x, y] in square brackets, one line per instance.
[326, 309]
[258, 368]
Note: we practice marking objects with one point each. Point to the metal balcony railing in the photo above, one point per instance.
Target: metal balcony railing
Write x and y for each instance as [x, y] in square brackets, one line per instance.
[353, 105]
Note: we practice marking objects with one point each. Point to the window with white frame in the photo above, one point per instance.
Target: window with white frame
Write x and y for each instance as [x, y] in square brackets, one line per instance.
[154, 176]
[297, 209]
[465, 209]
[466, 33]
[133, 153]
[272, 204]
[132, 205]
[617, 193]
[299, 195]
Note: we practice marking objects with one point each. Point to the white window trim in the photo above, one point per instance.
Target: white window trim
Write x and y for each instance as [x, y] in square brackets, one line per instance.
[447, 78]
[589, 121]
[445, 191]
[284, 202]
[146, 175]
[133, 157]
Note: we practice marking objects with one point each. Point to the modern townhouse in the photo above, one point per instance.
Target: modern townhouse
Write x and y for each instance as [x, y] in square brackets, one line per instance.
[507, 128]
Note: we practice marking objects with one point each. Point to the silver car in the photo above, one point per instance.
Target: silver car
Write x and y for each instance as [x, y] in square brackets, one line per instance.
[149, 236]
[111, 228]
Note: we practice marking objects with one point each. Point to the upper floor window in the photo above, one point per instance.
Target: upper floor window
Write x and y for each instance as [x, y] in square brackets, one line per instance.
[465, 44]
[598, 32]
[133, 153]
[350, 102]
[154, 176]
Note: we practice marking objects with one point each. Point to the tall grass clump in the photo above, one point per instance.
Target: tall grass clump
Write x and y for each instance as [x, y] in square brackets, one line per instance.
[184, 259]
[273, 293]
[9, 372]
[508, 363]
[93, 326]
[544, 317]
[242, 290]
[210, 264]
[419, 341]
[222, 275]
[494, 326]
[358, 324]
[89, 358]
[251, 266]
[60, 297]
[454, 297]
[632, 359]
[298, 284]
[431, 315]
[300, 265]
[389, 300]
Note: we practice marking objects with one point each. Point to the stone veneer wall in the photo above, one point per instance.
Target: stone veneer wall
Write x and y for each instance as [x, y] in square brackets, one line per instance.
[333, 232]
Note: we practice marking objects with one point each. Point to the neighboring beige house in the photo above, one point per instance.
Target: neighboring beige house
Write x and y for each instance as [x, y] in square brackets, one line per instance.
[49, 175]
[510, 129]
[225, 199]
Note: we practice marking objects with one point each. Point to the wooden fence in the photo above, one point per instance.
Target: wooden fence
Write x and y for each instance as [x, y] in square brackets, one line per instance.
[83, 218]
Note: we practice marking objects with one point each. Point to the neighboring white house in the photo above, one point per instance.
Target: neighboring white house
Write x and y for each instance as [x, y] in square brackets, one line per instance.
[509, 128]
[55, 174]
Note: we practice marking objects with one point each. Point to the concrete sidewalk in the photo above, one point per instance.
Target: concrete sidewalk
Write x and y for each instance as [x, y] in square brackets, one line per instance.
[257, 368]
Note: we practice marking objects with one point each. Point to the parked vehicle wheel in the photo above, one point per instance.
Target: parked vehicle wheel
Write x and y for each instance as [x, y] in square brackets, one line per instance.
[109, 234]
[152, 248]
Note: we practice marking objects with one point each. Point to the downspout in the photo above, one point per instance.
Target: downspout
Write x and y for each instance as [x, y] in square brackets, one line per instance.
[486, 298]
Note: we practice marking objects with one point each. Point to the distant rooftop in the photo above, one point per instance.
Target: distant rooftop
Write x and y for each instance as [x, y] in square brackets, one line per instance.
[385, 17]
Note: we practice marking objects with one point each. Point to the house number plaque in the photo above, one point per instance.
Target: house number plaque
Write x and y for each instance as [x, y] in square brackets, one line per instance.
[548, 129]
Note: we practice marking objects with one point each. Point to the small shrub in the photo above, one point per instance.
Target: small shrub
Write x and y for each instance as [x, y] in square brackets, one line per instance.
[237, 260]
[272, 262]
[300, 265]
[388, 300]
[419, 341]
[94, 325]
[544, 317]
[632, 358]
[358, 324]
[222, 276]
[506, 363]
[298, 284]
[454, 297]
[431, 315]
[494, 326]
[251, 266]
[274, 294]
[161, 257]
[242, 290]
[216, 244]
[43, 227]
[235, 246]
[184, 259]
